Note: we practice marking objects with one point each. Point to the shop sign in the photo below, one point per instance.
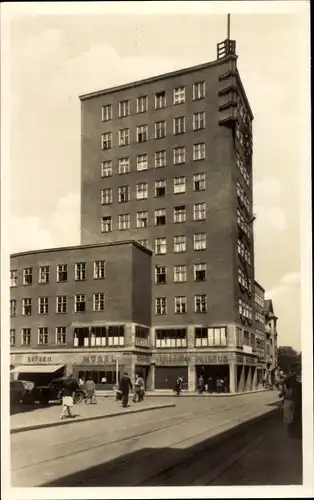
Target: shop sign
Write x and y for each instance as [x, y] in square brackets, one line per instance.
[98, 359]
[212, 359]
[172, 359]
[40, 360]
[142, 359]
[245, 360]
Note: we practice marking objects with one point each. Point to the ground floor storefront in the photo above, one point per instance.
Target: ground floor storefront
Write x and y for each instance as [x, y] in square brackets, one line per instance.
[218, 371]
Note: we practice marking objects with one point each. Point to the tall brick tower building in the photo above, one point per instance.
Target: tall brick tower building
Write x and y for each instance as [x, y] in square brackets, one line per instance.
[167, 161]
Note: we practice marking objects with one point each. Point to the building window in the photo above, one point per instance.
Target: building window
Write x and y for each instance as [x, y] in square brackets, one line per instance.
[141, 191]
[99, 269]
[61, 335]
[200, 303]
[43, 335]
[160, 188]
[200, 241]
[141, 336]
[199, 211]
[179, 95]
[26, 307]
[106, 224]
[179, 185]
[161, 305]
[179, 214]
[12, 338]
[199, 120]
[43, 305]
[160, 275]
[160, 217]
[124, 165]
[179, 125]
[142, 133]
[199, 151]
[27, 276]
[124, 194]
[62, 273]
[160, 100]
[199, 182]
[124, 108]
[199, 272]
[106, 168]
[124, 221]
[141, 162]
[160, 129]
[124, 137]
[179, 275]
[80, 271]
[106, 113]
[80, 303]
[144, 243]
[141, 219]
[13, 277]
[106, 141]
[142, 104]
[160, 246]
[106, 196]
[44, 273]
[26, 336]
[198, 91]
[172, 337]
[99, 302]
[62, 304]
[116, 336]
[180, 305]
[208, 337]
[12, 308]
[179, 244]
[179, 155]
[160, 159]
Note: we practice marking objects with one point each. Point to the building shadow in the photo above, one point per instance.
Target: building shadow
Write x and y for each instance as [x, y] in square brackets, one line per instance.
[177, 466]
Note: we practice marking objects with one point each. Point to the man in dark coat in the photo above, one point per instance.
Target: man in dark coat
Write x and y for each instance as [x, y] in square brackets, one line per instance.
[125, 386]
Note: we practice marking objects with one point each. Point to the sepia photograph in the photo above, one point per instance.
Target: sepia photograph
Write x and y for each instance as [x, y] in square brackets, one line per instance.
[156, 249]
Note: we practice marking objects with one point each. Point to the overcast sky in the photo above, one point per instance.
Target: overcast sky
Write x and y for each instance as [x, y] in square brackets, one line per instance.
[56, 58]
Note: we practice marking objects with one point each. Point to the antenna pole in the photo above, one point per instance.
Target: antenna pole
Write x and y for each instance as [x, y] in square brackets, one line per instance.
[228, 27]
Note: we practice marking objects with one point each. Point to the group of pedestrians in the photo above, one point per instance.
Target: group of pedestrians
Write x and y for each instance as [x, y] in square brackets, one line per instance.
[291, 394]
[218, 385]
[126, 386]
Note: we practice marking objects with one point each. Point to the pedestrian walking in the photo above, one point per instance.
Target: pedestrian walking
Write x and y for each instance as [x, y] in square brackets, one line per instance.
[218, 385]
[292, 405]
[125, 386]
[90, 389]
[138, 389]
[210, 385]
[178, 386]
[69, 387]
[201, 384]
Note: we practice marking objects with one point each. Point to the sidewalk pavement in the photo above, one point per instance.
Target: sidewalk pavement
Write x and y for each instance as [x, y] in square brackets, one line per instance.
[33, 417]
[169, 393]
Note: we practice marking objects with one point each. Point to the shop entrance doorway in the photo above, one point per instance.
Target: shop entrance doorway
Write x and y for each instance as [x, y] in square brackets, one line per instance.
[211, 375]
[166, 376]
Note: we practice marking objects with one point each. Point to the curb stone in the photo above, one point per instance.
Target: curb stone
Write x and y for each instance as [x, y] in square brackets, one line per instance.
[56, 423]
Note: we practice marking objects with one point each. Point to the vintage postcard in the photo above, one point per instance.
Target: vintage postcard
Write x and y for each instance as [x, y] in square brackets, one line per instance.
[156, 250]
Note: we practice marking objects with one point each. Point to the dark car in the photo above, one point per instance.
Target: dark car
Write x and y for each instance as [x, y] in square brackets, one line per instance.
[53, 392]
[21, 391]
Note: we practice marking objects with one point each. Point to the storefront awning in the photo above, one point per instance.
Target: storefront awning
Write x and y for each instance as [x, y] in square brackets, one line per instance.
[36, 368]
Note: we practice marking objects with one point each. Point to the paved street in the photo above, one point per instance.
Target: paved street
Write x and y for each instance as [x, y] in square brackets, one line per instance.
[131, 450]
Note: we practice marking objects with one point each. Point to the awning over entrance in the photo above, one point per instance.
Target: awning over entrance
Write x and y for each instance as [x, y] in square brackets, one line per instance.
[36, 368]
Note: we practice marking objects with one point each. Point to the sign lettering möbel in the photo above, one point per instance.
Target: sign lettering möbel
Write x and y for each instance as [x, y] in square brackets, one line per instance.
[98, 359]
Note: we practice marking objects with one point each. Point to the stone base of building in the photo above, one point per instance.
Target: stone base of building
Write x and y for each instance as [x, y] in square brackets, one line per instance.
[160, 370]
